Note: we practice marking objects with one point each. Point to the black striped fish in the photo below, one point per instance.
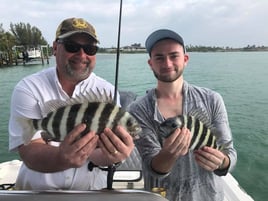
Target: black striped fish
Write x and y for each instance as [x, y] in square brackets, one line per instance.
[65, 115]
[201, 134]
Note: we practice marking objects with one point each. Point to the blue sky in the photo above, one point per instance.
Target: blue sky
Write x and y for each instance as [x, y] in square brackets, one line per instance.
[233, 23]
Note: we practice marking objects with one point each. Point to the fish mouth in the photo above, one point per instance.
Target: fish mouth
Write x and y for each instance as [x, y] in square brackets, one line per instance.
[135, 136]
[135, 132]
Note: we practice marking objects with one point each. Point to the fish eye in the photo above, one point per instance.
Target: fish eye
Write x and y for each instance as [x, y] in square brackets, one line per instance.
[129, 122]
[174, 125]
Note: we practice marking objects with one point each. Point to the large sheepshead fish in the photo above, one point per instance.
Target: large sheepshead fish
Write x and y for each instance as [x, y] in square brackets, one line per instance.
[95, 109]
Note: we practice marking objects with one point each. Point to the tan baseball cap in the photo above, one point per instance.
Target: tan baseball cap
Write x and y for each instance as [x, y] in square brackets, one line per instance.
[72, 26]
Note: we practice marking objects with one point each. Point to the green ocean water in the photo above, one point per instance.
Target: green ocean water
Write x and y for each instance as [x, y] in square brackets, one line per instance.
[240, 77]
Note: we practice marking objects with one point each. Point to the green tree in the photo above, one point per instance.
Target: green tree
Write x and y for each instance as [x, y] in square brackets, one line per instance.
[7, 40]
[26, 35]
[1, 29]
[2, 32]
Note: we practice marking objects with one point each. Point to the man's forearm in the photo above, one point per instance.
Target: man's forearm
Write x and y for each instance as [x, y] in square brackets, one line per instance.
[42, 157]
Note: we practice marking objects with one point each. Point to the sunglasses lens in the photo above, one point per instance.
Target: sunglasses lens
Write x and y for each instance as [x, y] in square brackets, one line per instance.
[74, 47]
[90, 49]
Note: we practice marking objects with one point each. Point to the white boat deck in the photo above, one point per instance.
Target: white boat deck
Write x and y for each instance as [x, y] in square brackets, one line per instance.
[233, 192]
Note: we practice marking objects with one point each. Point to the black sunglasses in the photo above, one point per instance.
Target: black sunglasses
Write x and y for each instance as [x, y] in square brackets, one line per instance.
[73, 47]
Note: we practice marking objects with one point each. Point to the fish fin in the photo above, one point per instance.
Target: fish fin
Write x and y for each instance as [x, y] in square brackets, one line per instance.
[94, 96]
[214, 132]
[46, 136]
[53, 105]
[88, 96]
[200, 115]
[103, 95]
[27, 129]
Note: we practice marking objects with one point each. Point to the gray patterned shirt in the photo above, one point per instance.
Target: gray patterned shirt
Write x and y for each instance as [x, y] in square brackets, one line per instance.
[186, 181]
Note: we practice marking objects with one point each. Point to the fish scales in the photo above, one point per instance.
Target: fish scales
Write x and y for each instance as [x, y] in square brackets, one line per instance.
[204, 135]
[71, 119]
[51, 121]
[196, 134]
[56, 121]
[104, 119]
[113, 117]
[87, 119]
[120, 115]
[95, 124]
[201, 134]
[208, 137]
[44, 123]
[62, 126]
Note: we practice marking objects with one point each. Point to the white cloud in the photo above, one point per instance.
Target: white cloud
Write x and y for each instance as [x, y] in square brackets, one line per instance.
[201, 22]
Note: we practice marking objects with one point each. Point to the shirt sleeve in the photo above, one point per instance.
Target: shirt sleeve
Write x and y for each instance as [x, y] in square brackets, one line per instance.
[223, 132]
[23, 106]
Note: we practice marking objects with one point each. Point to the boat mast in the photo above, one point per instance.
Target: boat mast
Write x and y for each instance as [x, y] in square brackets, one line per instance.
[112, 168]
[117, 54]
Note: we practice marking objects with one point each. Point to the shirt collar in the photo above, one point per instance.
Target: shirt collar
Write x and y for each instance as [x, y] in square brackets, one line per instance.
[79, 87]
[157, 115]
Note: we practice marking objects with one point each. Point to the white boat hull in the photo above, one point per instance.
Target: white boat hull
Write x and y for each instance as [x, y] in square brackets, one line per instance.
[9, 171]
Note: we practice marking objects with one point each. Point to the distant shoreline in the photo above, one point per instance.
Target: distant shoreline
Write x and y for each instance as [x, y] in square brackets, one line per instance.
[130, 49]
[5, 63]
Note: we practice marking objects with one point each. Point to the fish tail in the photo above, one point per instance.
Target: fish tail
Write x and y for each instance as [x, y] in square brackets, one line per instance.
[27, 129]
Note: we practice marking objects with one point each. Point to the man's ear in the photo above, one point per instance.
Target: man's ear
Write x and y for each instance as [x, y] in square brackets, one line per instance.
[150, 63]
[186, 58]
[54, 48]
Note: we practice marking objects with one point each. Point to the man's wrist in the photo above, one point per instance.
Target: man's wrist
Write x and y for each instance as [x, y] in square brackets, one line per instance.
[222, 165]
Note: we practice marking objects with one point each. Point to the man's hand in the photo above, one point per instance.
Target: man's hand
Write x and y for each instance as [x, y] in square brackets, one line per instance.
[174, 146]
[74, 151]
[211, 159]
[116, 146]
[177, 144]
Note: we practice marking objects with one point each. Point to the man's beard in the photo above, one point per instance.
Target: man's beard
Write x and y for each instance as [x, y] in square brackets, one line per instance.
[78, 75]
[165, 78]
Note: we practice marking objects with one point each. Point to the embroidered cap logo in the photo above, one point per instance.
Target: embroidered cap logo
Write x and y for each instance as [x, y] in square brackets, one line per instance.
[79, 24]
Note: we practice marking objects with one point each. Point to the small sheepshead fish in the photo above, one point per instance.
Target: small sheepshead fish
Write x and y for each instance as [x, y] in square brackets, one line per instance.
[96, 111]
[201, 134]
